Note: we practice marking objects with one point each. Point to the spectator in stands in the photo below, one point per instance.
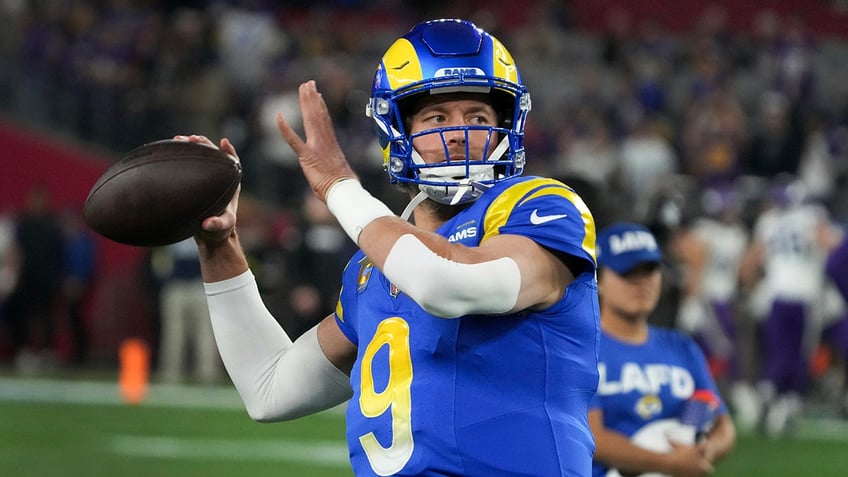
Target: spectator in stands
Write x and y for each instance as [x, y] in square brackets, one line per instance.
[714, 132]
[647, 161]
[777, 140]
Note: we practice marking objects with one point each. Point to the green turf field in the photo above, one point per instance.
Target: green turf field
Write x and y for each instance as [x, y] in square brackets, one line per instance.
[64, 428]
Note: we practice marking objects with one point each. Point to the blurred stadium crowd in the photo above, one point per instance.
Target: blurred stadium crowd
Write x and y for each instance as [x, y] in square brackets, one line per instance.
[695, 127]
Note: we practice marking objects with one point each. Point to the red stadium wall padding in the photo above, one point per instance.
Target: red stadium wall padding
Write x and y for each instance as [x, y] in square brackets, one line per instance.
[117, 306]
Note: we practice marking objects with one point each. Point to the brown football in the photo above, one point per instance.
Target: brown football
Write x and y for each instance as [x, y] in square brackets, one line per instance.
[159, 193]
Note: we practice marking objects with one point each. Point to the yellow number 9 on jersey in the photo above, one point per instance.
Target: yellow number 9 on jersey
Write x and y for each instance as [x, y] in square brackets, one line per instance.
[394, 333]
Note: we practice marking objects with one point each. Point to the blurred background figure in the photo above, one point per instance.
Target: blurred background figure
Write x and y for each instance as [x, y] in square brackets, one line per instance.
[837, 266]
[647, 161]
[710, 251]
[777, 139]
[78, 258]
[782, 269]
[649, 375]
[316, 259]
[10, 263]
[835, 334]
[33, 303]
[187, 350]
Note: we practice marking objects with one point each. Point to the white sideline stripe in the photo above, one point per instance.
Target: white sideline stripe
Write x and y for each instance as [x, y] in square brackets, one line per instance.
[822, 429]
[91, 392]
[325, 453]
[223, 397]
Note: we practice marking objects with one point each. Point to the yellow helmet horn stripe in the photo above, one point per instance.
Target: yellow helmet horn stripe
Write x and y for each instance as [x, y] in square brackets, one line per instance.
[504, 65]
[401, 65]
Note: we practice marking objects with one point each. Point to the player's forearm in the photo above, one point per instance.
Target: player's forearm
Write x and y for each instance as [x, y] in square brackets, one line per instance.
[276, 379]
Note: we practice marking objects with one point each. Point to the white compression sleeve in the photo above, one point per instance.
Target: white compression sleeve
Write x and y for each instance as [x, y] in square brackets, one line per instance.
[354, 207]
[450, 289]
[276, 379]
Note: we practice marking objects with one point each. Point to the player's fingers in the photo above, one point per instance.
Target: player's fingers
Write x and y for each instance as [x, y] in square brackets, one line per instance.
[201, 139]
[311, 98]
[214, 230]
[316, 116]
[228, 147]
[219, 223]
[288, 133]
[211, 224]
[212, 233]
[232, 207]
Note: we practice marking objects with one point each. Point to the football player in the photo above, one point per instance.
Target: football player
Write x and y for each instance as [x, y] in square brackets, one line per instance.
[711, 249]
[657, 410]
[784, 266]
[467, 340]
[836, 267]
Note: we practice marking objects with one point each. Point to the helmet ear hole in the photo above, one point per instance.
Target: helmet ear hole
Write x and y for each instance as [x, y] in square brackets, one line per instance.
[406, 108]
[504, 105]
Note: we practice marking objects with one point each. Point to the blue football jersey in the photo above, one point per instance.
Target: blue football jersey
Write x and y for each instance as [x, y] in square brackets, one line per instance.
[649, 383]
[478, 395]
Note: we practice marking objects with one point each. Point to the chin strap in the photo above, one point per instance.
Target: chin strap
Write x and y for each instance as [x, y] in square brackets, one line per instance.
[415, 202]
[464, 186]
[422, 196]
[499, 150]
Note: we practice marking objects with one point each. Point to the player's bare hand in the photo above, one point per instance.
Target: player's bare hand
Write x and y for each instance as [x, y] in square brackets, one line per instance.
[322, 160]
[687, 461]
[217, 229]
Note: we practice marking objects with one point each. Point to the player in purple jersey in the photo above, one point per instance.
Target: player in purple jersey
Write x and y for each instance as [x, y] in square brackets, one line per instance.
[657, 410]
[783, 267]
[466, 342]
[836, 266]
[711, 249]
[836, 333]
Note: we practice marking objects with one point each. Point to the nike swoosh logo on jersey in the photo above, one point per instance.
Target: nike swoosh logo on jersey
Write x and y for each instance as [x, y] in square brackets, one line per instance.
[536, 219]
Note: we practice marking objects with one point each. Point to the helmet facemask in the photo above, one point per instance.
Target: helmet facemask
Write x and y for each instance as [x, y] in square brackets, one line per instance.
[459, 181]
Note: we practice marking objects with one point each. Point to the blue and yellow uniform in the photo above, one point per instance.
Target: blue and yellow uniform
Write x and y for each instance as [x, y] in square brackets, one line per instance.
[436, 396]
[643, 387]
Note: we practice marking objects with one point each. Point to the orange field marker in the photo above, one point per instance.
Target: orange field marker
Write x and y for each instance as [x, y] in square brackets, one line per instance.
[134, 356]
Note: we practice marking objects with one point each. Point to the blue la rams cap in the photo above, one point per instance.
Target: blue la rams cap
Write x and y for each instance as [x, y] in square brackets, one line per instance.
[624, 245]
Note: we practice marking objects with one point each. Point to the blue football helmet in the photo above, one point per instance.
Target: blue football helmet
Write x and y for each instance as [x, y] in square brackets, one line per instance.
[449, 56]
